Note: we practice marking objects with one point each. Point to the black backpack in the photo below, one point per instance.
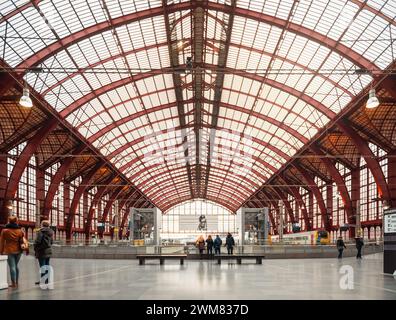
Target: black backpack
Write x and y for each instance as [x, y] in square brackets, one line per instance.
[45, 242]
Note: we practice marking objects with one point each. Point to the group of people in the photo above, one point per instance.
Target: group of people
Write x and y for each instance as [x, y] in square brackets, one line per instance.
[215, 244]
[13, 243]
[341, 246]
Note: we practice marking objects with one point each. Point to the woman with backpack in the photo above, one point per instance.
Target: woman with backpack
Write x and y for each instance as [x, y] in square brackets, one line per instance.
[42, 247]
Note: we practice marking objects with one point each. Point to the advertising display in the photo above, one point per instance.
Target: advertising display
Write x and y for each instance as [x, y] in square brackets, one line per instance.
[389, 228]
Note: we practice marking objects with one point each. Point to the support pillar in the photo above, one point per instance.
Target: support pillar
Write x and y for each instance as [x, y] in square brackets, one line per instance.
[3, 186]
[329, 205]
[66, 202]
[40, 194]
[392, 178]
[355, 198]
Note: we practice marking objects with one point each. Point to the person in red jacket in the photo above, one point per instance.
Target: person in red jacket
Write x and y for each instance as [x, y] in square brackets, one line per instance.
[11, 238]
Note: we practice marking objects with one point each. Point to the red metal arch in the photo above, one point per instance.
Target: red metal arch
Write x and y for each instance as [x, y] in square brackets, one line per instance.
[169, 187]
[339, 180]
[98, 195]
[213, 187]
[286, 202]
[224, 204]
[22, 162]
[299, 200]
[310, 34]
[112, 86]
[369, 157]
[153, 187]
[58, 177]
[109, 204]
[77, 195]
[260, 142]
[315, 190]
[135, 160]
[119, 122]
[240, 46]
[130, 164]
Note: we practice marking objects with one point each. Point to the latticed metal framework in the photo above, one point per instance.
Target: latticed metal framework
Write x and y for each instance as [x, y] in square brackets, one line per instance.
[267, 80]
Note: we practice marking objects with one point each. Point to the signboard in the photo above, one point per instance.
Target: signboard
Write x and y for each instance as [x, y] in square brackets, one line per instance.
[390, 222]
[389, 228]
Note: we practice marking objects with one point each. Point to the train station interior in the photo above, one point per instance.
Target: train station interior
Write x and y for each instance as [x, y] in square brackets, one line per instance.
[183, 149]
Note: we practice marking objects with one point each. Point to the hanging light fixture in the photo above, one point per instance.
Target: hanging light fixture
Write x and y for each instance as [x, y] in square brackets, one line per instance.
[372, 101]
[25, 100]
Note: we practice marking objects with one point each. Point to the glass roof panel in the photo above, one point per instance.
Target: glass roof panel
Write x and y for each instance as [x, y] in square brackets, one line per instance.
[280, 84]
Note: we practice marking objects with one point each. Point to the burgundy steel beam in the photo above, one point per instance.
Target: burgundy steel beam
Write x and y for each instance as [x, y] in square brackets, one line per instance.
[173, 49]
[157, 45]
[109, 204]
[130, 164]
[310, 34]
[122, 204]
[226, 196]
[280, 86]
[184, 199]
[24, 158]
[316, 191]
[369, 157]
[286, 202]
[18, 10]
[228, 22]
[119, 122]
[392, 176]
[106, 88]
[339, 180]
[213, 186]
[98, 195]
[58, 177]
[299, 200]
[138, 140]
[236, 177]
[150, 189]
[87, 179]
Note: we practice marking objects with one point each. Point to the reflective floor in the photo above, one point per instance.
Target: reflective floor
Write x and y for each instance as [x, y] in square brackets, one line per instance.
[274, 279]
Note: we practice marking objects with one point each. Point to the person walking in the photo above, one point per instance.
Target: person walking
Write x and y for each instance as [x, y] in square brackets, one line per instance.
[43, 248]
[359, 246]
[11, 239]
[201, 246]
[230, 243]
[340, 247]
[209, 245]
[217, 244]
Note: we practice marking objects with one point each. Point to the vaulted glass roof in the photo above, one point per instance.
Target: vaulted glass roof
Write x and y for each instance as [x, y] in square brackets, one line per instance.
[265, 77]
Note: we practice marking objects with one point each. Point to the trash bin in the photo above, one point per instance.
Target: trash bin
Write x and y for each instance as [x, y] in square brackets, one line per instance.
[3, 272]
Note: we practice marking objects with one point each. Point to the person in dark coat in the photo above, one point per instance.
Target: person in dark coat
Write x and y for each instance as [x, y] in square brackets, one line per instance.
[43, 247]
[209, 245]
[230, 243]
[217, 244]
[340, 247]
[359, 246]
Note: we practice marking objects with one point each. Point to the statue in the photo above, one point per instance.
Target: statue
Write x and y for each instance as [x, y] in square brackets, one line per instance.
[202, 222]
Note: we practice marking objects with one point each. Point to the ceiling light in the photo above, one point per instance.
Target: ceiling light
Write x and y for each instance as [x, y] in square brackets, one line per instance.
[372, 101]
[25, 100]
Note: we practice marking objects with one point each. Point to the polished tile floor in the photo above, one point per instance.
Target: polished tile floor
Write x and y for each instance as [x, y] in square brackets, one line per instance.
[274, 279]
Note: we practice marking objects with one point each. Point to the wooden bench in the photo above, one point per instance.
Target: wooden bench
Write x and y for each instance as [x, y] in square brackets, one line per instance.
[239, 258]
[161, 257]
